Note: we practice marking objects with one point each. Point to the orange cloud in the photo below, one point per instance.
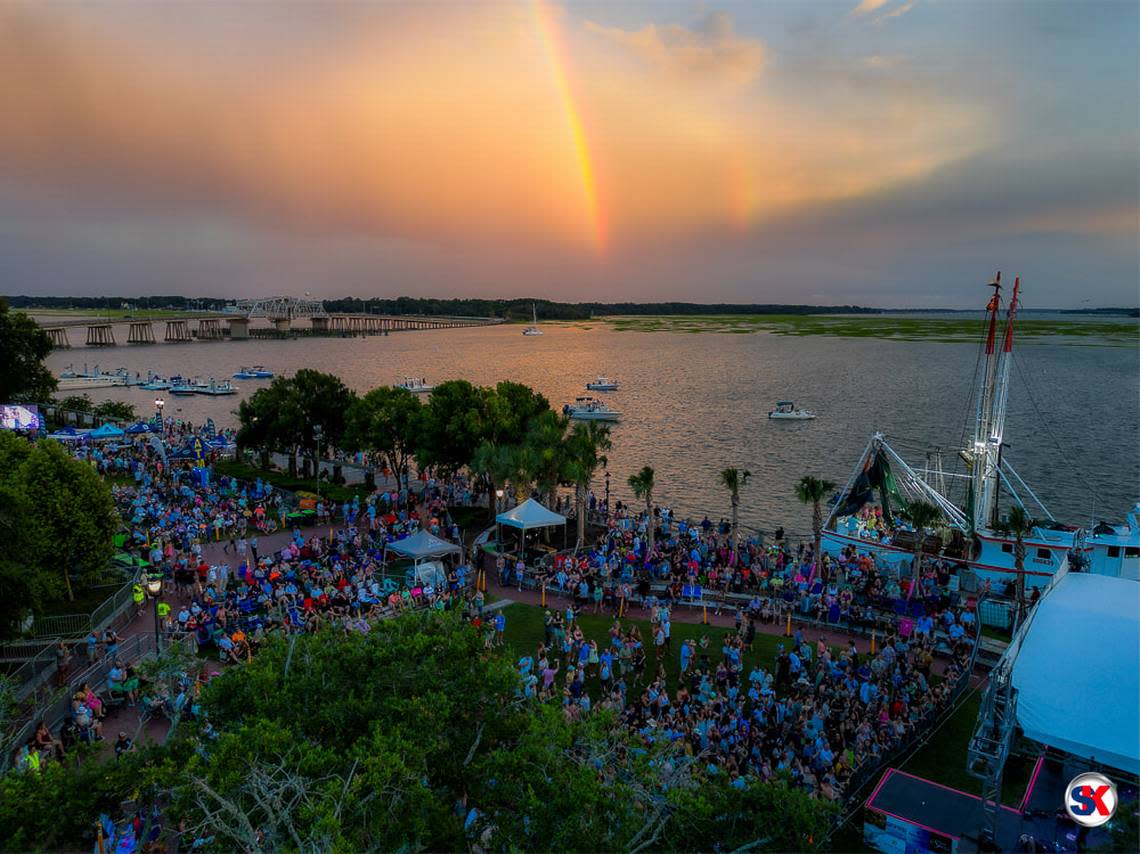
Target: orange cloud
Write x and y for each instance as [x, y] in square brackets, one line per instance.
[451, 128]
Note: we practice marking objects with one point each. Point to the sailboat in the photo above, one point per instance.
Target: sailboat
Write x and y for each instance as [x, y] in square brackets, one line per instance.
[533, 329]
[978, 542]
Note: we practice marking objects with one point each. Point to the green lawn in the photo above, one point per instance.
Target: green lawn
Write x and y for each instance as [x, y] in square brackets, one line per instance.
[525, 631]
[943, 758]
[282, 480]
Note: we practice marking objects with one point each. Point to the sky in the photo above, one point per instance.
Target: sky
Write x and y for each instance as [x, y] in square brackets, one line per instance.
[873, 152]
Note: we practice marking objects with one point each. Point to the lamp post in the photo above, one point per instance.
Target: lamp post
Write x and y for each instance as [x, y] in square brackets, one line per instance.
[318, 431]
[158, 404]
[154, 587]
[607, 494]
[498, 501]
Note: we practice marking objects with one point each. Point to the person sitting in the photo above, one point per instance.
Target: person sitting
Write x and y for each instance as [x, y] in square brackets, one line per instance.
[45, 742]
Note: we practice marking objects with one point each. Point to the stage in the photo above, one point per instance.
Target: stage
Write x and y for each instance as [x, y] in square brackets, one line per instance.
[909, 814]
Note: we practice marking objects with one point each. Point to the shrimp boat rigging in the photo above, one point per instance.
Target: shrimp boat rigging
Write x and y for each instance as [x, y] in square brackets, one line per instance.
[977, 541]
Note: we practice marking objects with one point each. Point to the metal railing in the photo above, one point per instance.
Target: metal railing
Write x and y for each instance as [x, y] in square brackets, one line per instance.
[54, 708]
[78, 625]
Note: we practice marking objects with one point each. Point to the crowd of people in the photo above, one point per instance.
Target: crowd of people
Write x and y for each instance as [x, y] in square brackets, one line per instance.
[814, 715]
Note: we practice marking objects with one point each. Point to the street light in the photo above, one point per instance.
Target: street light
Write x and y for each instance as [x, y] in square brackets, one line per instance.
[607, 494]
[498, 500]
[154, 587]
[158, 404]
[317, 432]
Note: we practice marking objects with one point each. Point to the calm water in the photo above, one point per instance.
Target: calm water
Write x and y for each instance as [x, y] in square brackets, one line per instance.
[693, 404]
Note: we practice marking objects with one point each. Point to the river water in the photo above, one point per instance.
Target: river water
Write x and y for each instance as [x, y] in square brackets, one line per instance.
[694, 403]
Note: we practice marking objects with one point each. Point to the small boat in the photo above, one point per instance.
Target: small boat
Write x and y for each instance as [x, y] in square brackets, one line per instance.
[183, 387]
[603, 384]
[533, 328]
[257, 372]
[73, 380]
[786, 411]
[415, 385]
[589, 409]
[215, 388]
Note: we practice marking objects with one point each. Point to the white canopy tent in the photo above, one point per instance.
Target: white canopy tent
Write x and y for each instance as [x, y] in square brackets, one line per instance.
[528, 516]
[423, 545]
[1078, 670]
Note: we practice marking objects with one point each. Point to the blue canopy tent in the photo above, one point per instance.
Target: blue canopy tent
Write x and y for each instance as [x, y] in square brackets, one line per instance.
[69, 434]
[137, 428]
[106, 431]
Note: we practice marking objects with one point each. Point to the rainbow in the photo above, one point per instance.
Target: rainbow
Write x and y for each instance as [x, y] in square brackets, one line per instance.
[558, 57]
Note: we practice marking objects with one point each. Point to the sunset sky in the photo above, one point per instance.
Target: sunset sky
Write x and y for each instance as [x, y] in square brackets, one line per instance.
[882, 152]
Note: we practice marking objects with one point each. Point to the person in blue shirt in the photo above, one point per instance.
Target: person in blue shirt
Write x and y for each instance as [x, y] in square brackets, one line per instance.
[500, 627]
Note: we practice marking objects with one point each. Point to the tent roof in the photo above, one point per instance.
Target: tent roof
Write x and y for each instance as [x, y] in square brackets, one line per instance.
[139, 427]
[530, 514]
[424, 544]
[106, 431]
[1078, 670]
[68, 434]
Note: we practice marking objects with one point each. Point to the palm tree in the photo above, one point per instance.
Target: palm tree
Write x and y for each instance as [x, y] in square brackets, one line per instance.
[585, 451]
[812, 490]
[733, 479]
[922, 515]
[642, 485]
[1019, 524]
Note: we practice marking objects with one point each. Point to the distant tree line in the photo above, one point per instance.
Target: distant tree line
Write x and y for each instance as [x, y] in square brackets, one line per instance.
[509, 309]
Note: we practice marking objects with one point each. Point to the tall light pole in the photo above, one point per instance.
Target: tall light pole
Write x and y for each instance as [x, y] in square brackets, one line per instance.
[607, 495]
[154, 587]
[158, 404]
[317, 432]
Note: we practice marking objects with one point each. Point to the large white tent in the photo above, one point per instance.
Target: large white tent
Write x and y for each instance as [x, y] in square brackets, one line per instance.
[1078, 670]
[530, 514]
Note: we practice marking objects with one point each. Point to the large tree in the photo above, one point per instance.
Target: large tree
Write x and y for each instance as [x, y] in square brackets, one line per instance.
[454, 425]
[60, 520]
[23, 348]
[586, 449]
[544, 450]
[812, 490]
[386, 422]
[284, 415]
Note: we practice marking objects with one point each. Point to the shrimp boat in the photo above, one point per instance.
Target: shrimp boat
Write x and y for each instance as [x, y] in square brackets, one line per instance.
[589, 409]
[415, 385]
[786, 411]
[603, 384]
[533, 328]
[976, 539]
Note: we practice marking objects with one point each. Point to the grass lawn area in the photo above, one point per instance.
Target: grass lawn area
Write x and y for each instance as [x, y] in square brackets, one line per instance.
[86, 600]
[943, 758]
[525, 631]
[282, 480]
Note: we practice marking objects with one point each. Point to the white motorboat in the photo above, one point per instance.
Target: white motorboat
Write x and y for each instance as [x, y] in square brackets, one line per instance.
[416, 385]
[603, 384]
[786, 411]
[215, 389]
[533, 328]
[257, 372]
[589, 409]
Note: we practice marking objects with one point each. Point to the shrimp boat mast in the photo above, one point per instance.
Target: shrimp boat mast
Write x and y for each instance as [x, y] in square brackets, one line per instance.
[976, 541]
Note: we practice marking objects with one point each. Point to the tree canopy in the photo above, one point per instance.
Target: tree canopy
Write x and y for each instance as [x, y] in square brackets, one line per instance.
[23, 348]
[57, 521]
[386, 422]
[414, 737]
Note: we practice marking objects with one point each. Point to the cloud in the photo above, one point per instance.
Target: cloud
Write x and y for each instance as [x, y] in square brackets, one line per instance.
[711, 50]
[899, 11]
[866, 7]
[872, 7]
